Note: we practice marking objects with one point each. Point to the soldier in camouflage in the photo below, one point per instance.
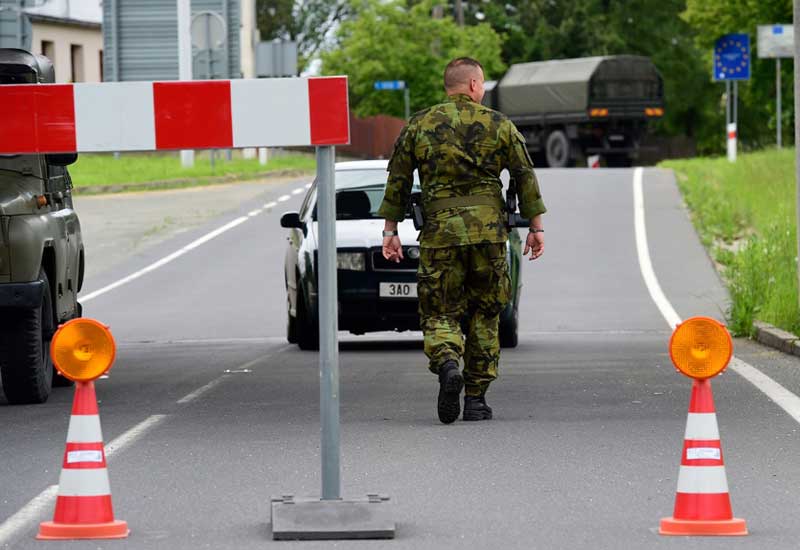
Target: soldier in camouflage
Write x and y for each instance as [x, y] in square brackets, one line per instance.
[459, 148]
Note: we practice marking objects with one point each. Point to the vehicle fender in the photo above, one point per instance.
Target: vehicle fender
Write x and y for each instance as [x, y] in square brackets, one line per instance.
[27, 238]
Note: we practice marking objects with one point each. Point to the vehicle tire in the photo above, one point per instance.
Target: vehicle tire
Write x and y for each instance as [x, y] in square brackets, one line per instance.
[557, 149]
[509, 334]
[25, 364]
[307, 331]
[291, 322]
[61, 381]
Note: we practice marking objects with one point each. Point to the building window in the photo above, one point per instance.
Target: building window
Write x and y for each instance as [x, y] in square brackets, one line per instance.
[49, 50]
[76, 53]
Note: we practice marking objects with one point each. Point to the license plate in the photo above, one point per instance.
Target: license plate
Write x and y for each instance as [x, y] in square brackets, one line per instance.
[397, 290]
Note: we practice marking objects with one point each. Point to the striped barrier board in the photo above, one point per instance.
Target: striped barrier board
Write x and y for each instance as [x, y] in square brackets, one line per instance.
[147, 116]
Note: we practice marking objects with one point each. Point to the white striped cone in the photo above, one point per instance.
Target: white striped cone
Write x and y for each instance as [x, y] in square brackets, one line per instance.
[83, 506]
[702, 503]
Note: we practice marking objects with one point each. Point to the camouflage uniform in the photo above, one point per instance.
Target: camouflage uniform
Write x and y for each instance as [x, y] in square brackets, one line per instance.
[459, 148]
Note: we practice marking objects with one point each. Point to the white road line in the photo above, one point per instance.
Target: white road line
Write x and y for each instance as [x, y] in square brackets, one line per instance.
[255, 212]
[284, 198]
[214, 383]
[298, 191]
[27, 515]
[126, 439]
[271, 204]
[163, 261]
[308, 186]
[200, 391]
[785, 399]
[645, 265]
[35, 509]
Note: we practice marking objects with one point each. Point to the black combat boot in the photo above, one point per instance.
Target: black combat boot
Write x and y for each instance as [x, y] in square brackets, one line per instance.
[450, 384]
[475, 408]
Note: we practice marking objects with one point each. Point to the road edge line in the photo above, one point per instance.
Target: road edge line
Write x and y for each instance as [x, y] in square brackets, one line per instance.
[779, 395]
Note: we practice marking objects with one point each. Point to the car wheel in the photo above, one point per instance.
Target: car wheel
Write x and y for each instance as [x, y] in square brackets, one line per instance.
[25, 364]
[557, 149]
[509, 335]
[307, 331]
[291, 322]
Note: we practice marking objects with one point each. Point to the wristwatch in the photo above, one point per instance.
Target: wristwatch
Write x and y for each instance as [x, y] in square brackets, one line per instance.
[533, 230]
[390, 233]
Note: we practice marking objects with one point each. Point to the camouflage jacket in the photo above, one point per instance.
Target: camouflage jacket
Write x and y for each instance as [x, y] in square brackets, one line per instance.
[459, 148]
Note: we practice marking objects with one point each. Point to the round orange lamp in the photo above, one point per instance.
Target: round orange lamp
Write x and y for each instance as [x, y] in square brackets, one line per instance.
[700, 347]
[83, 350]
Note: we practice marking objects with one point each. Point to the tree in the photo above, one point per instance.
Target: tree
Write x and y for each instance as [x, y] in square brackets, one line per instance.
[390, 40]
[309, 22]
[757, 114]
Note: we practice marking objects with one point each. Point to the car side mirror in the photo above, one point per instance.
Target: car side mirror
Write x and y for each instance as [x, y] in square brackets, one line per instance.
[291, 220]
[61, 159]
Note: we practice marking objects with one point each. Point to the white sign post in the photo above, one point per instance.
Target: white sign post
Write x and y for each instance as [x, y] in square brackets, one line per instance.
[776, 41]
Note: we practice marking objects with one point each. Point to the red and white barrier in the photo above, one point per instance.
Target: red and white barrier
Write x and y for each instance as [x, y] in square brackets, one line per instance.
[83, 506]
[146, 116]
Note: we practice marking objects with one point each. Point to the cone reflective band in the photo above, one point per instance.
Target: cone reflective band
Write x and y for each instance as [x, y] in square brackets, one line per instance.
[700, 347]
[82, 349]
[146, 116]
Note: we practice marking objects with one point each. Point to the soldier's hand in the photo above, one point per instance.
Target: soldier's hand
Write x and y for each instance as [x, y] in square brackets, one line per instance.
[392, 249]
[535, 244]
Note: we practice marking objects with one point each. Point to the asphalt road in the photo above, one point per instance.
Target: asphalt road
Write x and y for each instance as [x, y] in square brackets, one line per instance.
[209, 412]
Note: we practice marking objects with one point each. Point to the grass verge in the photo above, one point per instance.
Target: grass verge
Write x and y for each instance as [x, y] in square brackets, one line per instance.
[98, 170]
[745, 216]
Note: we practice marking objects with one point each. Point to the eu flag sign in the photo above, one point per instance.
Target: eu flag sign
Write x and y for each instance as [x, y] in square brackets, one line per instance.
[732, 57]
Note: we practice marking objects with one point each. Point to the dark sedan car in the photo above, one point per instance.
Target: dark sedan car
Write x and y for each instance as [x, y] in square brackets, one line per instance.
[374, 294]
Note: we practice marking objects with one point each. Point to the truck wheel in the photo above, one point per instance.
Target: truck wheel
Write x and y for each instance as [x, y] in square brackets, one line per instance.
[557, 149]
[25, 365]
[307, 331]
[509, 330]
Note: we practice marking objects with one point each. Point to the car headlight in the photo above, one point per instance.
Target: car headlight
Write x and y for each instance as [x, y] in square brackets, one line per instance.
[353, 261]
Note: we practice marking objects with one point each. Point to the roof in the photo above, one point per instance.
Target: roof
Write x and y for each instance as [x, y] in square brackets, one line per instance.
[41, 18]
[363, 165]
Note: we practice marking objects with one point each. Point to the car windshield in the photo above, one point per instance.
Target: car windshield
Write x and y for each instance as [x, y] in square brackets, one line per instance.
[359, 193]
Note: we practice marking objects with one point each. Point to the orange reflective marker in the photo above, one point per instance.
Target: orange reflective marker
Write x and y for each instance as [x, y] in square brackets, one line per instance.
[83, 350]
[701, 348]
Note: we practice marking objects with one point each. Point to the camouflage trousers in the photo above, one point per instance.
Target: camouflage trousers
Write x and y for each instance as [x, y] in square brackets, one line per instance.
[464, 283]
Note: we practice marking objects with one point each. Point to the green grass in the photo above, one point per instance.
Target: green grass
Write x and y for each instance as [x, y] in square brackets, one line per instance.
[745, 215]
[131, 168]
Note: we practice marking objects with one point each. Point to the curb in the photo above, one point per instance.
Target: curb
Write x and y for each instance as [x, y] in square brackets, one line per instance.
[186, 182]
[777, 338]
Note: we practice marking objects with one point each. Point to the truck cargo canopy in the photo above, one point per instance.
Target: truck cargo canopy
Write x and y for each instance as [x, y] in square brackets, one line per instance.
[570, 85]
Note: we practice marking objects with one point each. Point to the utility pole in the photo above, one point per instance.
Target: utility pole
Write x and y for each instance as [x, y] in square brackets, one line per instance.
[185, 59]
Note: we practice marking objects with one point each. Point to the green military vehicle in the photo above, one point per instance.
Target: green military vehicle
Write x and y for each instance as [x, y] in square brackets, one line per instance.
[572, 109]
[41, 252]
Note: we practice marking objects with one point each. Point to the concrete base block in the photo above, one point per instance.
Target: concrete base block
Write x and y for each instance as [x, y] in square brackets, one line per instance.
[308, 518]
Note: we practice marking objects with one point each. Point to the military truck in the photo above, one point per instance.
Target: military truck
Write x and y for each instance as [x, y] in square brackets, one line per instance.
[571, 109]
[41, 252]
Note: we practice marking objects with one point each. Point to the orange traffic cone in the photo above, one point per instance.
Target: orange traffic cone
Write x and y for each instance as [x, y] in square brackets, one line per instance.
[83, 505]
[702, 503]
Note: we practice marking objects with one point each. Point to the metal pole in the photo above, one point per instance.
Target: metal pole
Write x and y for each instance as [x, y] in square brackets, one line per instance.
[797, 130]
[115, 39]
[407, 101]
[328, 325]
[185, 59]
[727, 103]
[778, 101]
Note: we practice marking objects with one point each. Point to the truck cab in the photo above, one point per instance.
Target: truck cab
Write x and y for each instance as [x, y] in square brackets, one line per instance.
[41, 252]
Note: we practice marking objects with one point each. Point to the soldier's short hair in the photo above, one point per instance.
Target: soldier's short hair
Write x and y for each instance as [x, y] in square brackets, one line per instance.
[459, 71]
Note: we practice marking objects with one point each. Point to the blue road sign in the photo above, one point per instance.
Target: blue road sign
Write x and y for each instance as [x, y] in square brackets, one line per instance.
[732, 57]
[390, 85]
